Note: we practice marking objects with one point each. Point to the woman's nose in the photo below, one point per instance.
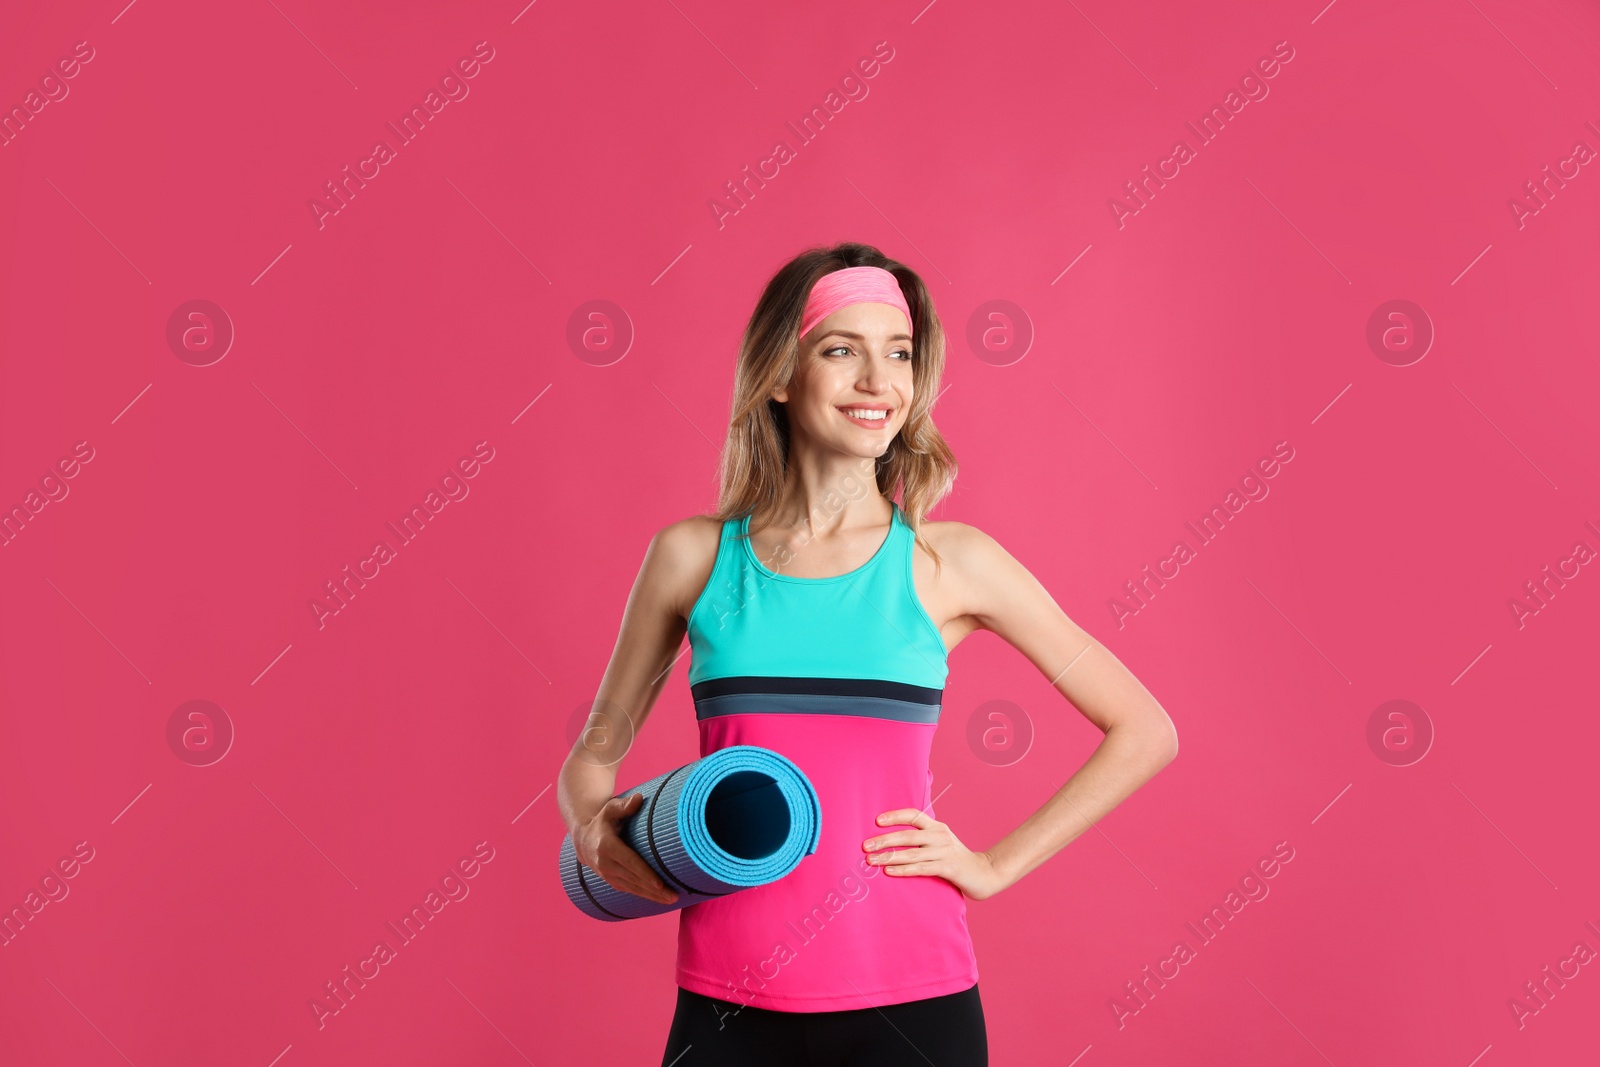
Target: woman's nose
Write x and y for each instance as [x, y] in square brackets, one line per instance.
[874, 376]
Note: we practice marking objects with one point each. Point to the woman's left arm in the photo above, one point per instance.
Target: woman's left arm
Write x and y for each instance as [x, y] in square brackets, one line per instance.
[1000, 595]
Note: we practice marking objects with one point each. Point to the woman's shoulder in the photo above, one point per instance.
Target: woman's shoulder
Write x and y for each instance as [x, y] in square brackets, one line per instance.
[949, 537]
[963, 546]
[691, 535]
[682, 554]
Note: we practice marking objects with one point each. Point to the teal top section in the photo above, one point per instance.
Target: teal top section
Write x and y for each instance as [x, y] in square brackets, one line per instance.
[866, 623]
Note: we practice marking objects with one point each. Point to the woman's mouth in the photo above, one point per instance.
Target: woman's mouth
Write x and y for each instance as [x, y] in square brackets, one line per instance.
[870, 417]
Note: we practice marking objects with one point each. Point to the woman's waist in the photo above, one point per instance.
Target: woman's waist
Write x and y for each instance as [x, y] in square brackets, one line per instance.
[827, 934]
[842, 744]
[835, 887]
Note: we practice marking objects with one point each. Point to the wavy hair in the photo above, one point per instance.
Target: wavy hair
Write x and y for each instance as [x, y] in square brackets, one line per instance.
[918, 463]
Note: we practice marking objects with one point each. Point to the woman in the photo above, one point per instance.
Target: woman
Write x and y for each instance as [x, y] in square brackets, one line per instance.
[820, 613]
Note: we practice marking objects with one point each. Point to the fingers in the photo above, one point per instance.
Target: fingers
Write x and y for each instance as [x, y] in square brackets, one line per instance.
[899, 837]
[619, 864]
[635, 876]
[623, 806]
[631, 874]
[902, 856]
[939, 834]
[923, 867]
[907, 816]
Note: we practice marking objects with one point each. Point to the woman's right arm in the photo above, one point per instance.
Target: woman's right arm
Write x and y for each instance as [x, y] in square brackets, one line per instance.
[648, 646]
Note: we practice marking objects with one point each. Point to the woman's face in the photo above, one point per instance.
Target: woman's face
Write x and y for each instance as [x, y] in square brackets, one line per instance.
[853, 384]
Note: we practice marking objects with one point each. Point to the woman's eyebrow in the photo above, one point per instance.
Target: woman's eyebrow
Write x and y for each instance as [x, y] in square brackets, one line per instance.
[859, 337]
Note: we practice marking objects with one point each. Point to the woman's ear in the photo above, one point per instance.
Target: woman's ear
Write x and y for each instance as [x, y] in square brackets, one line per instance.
[780, 393]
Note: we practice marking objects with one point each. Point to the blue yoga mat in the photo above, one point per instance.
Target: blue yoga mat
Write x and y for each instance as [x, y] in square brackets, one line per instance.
[742, 816]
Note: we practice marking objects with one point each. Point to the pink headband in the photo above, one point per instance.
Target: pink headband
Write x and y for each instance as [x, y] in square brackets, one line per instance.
[851, 285]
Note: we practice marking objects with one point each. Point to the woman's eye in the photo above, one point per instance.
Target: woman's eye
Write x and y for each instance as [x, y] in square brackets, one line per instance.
[844, 350]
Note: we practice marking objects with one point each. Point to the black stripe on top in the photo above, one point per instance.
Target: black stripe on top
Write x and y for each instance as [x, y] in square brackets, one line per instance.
[844, 687]
[870, 697]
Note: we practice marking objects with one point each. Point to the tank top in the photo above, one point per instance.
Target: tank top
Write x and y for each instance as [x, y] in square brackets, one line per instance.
[844, 676]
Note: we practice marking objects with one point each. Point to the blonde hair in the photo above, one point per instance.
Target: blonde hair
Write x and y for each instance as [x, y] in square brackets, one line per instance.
[918, 464]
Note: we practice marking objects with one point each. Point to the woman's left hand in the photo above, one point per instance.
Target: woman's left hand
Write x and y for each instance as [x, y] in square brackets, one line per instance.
[932, 848]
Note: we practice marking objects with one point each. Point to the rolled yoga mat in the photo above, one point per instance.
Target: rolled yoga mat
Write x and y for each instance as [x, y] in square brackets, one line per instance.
[743, 816]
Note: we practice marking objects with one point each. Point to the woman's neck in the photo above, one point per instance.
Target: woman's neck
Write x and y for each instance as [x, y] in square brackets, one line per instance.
[821, 502]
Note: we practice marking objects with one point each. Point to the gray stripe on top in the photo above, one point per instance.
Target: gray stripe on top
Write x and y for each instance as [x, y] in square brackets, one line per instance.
[817, 704]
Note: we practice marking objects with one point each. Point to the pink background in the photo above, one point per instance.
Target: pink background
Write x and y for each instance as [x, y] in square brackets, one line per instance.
[430, 714]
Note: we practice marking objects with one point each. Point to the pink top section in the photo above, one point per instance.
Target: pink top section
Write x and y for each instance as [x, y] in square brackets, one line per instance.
[835, 933]
[852, 285]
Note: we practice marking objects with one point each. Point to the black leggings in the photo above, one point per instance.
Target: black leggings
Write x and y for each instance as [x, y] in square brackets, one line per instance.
[945, 1031]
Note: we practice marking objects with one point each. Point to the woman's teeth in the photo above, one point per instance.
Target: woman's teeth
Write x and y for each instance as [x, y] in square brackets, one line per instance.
[866, 413]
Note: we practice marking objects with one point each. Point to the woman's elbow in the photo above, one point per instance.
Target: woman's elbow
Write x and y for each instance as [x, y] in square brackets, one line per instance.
[1153, 745]
[1170, 746]
[1163, 743]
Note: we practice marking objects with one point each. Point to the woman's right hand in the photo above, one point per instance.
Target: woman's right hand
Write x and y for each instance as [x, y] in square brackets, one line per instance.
[601, 849]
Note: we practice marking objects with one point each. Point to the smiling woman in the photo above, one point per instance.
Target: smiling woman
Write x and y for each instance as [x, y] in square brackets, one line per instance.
[835, 655]
[849, 313]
